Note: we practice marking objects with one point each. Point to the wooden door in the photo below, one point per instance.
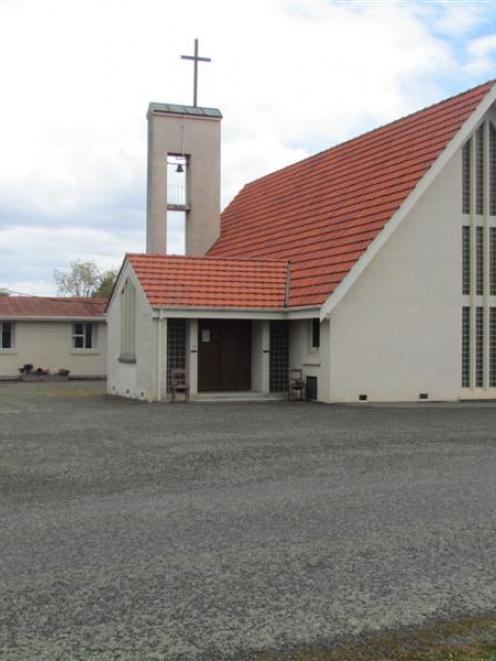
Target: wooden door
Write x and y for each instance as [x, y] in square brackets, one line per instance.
[224, 355]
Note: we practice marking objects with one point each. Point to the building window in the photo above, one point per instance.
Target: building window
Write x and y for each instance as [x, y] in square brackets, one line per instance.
[479, 347]
[466, 259]
[492, 260]
[466, 177]
[6, 335]
[479, 258]
[279, 356]
[176, 347]
[480, 148]
[83, 336]
[492, 347]
[492, 170]
[128, 322]
[315, 334]
[465, 347]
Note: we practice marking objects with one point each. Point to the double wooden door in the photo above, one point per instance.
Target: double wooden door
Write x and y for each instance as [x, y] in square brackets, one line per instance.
[224, 355]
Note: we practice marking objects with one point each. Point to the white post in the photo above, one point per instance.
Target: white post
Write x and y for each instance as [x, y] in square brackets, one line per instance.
[192, 355]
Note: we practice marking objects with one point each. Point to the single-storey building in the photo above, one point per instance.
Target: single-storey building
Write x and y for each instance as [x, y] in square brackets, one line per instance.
[53, 333]
[370, 266]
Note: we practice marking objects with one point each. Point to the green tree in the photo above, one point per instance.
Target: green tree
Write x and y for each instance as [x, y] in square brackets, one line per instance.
[106, 284]
[84, 279]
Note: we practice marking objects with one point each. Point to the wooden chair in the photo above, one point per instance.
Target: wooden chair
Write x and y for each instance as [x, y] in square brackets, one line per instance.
[296, 384]
[179, 384]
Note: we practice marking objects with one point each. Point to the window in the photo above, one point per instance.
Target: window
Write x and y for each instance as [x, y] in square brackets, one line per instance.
[479, 258]
[465, 347]
[479, 146]
[128, 322]
[83, 336]
[466, 259]
[492, 348]
[6, 335]
[315, 334]
[466, 177]
[479, 347]
[492, 170]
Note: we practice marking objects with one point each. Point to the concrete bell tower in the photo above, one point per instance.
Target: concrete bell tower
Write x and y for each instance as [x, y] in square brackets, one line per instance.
[186, 138]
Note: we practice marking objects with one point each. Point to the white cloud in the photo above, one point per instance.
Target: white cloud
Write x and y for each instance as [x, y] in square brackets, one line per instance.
[291, 78]
[482, 55]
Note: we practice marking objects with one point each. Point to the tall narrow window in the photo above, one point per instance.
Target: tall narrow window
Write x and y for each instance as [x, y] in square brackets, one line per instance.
[479, 347]
[492, 348]
[466, 178]
[492, 260]
[6, 335]
[479, 260]
[492, 169]
[315, 334]
[128, 323]
[466, 259]
[479, 145]
[465, 347]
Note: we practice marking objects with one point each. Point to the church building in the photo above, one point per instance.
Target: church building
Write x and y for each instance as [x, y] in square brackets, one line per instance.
[370, 267]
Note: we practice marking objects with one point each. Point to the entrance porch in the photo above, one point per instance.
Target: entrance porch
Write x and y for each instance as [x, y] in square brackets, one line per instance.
[226, 358]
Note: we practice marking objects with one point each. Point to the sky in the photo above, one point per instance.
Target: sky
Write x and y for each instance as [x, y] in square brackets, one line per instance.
[291, 79]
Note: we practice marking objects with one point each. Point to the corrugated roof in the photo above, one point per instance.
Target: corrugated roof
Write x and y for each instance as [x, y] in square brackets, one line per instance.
[211, 282]
[56, 306]
[323, 212]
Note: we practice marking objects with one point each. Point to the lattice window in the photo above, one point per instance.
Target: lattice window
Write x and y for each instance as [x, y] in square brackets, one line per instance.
[465, 347]
[479, 260]
[492, 260]
[492, 170]
[479, 148]
[465, 259]
[279, 356]
[466, 177]
[479, 346]
[176, 347]
[492, 347]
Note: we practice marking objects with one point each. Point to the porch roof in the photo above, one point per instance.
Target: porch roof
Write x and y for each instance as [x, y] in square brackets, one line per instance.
[212, 282]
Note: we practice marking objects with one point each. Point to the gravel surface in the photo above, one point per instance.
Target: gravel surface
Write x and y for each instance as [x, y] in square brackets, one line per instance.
[208, 531]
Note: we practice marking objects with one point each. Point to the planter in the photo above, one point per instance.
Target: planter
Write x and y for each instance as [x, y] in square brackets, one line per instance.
[36, 377]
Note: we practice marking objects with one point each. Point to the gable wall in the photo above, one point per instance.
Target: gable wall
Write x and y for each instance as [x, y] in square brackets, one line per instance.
[135, 380]
[397, 332]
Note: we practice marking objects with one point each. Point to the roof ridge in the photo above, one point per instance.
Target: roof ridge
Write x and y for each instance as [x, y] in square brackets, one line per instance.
[362, 135]
[278, 260]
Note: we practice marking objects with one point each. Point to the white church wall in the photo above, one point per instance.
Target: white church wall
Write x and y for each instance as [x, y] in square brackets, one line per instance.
[397, 332]
[48, 344]
[135, 380]
[312, 362]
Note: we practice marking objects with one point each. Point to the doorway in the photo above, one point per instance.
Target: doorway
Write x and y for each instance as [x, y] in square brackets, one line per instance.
[224, 355]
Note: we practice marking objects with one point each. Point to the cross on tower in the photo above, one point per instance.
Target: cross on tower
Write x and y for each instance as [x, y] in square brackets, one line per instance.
[196, 59]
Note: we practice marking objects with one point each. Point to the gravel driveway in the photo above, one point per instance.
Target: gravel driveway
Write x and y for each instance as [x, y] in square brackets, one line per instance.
[207, 531]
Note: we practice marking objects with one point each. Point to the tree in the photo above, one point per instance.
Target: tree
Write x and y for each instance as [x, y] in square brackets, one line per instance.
[106, 284]
[4, 292]
[84, 279]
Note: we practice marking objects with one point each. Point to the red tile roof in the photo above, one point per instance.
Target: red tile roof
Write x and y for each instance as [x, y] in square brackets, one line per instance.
[57, 306]
[322, 213]
[214, 282]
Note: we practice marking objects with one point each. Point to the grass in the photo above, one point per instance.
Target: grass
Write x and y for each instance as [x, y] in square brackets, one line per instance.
[468, 639]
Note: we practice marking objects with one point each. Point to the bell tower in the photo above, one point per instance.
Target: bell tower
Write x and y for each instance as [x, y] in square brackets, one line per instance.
[183, 175]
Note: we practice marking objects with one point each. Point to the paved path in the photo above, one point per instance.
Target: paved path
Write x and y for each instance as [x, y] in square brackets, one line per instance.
[138, 531]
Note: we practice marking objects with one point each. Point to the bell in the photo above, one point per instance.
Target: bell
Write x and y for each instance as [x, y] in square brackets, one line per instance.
[180, 168]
